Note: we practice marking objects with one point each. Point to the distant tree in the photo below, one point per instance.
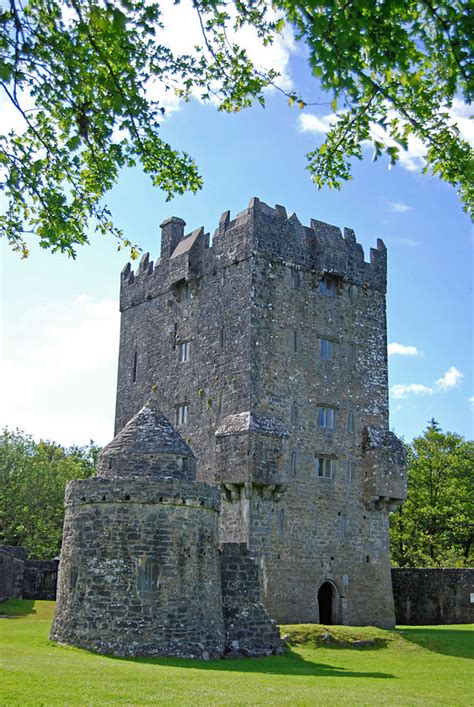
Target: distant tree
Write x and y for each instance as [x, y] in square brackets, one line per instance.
[33, 477]
[435, 527]
[81, 76]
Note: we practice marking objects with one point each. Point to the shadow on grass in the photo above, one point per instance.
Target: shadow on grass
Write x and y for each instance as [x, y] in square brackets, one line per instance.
[458, 642]
[16, 608]
[289, 664]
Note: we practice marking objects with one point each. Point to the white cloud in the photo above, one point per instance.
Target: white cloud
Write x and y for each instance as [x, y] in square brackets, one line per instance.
[413, 158]
[59, 371]
[402, 390]
[402, 350]
[310, 123]
[460, 113]
[450, 379]
[399, 207]
[183, 15]
[471, 400]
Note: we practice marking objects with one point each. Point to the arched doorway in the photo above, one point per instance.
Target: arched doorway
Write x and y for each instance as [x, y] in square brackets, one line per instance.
[325, 603]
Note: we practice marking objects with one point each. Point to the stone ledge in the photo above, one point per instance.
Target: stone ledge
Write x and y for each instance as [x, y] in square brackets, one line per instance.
[144, 491]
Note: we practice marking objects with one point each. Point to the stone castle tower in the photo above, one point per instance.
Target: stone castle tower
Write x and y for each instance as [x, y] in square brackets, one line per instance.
[267, 350]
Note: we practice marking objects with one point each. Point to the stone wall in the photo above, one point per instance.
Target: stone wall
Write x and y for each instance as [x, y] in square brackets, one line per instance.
[249, 631]
[433, 596]
[11, 575]
[40, 579]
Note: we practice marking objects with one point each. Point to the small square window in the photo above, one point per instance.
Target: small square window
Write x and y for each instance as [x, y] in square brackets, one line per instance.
[182, 414]
[327, 287]
[325, 467]
[184, 351]
[326, 349]
[326, 417]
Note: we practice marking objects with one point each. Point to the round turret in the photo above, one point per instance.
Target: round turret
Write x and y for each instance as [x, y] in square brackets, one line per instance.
[148, 446]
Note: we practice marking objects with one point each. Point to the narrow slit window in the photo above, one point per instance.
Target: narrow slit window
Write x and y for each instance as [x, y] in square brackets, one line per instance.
[326, 417]
[295, 279]
[295, 342]
[293, 413]
[350, 421]
[350, 470]
[326, 349]
[222, 337]
[294, 462]
[184, 351]
[135, 366]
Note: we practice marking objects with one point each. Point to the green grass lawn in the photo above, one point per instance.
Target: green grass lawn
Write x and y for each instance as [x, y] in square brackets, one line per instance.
[427, 665]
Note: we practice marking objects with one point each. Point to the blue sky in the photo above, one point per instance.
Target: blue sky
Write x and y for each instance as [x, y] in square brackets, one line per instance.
[60, 317]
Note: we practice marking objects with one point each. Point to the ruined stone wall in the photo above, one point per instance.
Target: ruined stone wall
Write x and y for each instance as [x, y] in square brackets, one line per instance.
[249, 631]
[140, 569]
[433, 596]
[11, 575]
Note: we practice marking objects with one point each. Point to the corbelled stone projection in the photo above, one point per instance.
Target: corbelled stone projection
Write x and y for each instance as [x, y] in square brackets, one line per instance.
[140, 569]
[268, 350]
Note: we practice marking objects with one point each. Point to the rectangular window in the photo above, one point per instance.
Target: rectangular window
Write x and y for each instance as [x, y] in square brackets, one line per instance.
[295, 279]
[326, 417]
[184, 349]
[293, 463]
[350, 470]
[350, 421]
[182, 414]
[325, 467]
[327, 287]
[184, 291]
[326, 349]
[343, 525]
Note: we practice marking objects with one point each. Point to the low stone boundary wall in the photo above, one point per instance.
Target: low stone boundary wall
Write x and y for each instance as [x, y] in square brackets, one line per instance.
[11, 576]
[425, 596]
[21, 578]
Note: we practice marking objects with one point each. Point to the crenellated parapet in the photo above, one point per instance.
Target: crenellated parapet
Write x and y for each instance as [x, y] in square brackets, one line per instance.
[260, 229]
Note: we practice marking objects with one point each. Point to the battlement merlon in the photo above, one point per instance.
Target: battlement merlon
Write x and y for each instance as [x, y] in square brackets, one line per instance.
[320, 248]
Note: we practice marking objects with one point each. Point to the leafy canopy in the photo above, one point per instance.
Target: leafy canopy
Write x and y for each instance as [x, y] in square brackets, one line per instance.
[33, 477]
[435, 527]
[82, 75]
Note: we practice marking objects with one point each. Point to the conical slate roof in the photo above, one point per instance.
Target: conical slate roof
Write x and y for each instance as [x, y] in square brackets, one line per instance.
[148, 445]
[149, 432]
